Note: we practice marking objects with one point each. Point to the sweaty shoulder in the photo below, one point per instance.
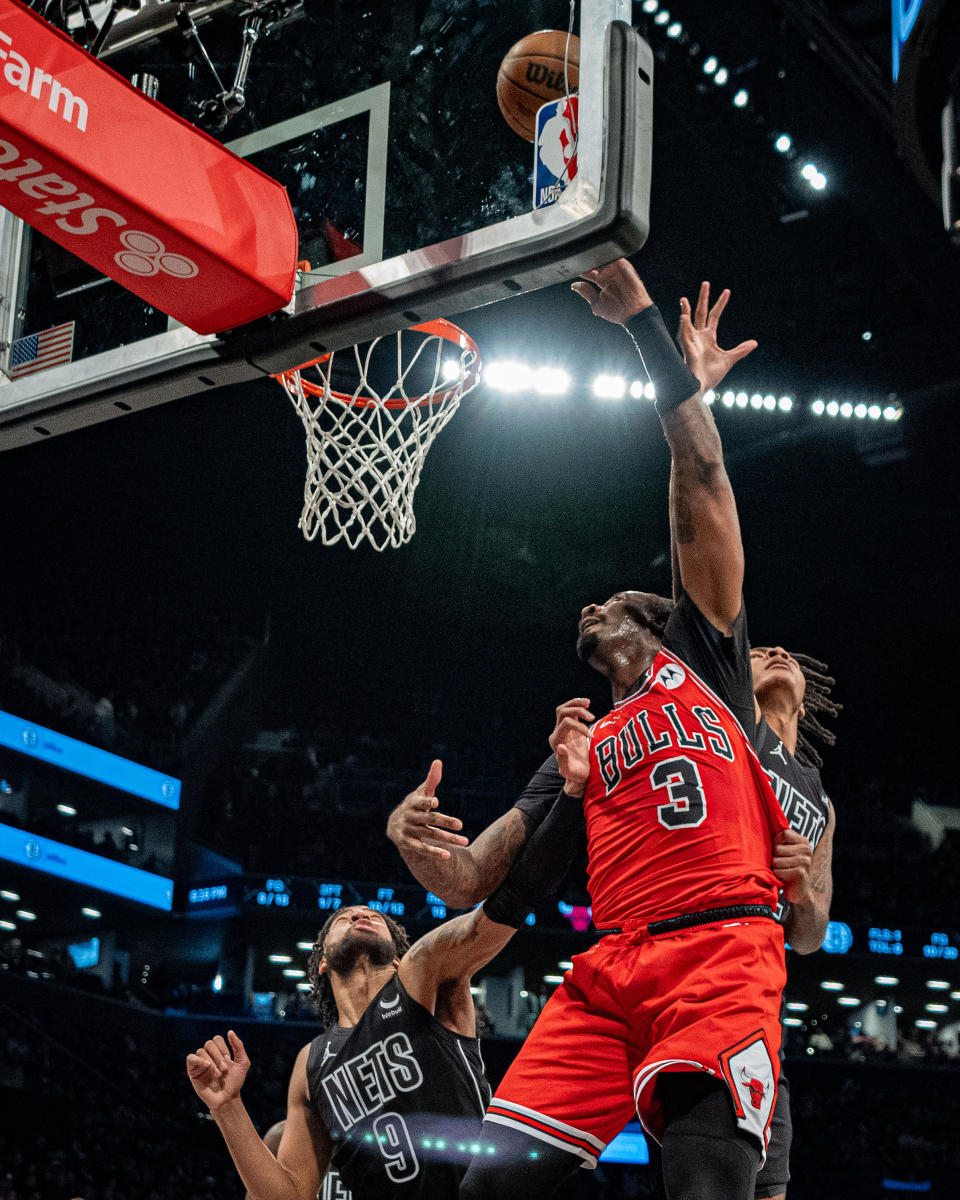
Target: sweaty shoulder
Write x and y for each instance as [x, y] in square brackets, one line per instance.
[721, 661]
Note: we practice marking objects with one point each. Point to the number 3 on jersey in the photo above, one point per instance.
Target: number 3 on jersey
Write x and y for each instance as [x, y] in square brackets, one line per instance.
[687, 806]
[393, 1138]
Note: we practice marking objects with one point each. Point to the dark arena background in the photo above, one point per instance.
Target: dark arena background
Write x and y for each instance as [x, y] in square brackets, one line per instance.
[159, 605]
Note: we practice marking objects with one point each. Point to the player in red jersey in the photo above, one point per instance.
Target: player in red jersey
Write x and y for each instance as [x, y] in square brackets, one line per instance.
[675, 1010]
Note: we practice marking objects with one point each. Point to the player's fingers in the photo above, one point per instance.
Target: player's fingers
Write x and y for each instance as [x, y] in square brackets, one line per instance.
[576, 702]
[741, 351]
[437, 850]
[587, 291]
[717, 311]
[198, 1063]
[574, 712]
[703, 304]
[433, 777]
[441, 835]
[215, 1054]
[239, 1053]
[440, 820]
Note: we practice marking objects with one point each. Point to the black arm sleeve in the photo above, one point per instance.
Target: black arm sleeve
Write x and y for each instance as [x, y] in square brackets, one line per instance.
[540, 793]
[541, 867]
[721, 662]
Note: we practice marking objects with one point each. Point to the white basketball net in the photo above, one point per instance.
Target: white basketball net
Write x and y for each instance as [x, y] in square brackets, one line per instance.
[365, 450]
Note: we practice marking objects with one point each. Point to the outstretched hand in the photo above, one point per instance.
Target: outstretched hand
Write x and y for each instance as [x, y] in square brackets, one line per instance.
[415, 823]
[698, 338]
[216, 1075]
[570, 742]
[615, 292]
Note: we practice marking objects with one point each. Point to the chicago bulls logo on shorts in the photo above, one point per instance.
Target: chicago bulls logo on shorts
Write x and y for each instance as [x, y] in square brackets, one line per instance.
[750, 1074]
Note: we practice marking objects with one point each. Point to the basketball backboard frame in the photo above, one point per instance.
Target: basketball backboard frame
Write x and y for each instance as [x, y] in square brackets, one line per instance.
[603, 215]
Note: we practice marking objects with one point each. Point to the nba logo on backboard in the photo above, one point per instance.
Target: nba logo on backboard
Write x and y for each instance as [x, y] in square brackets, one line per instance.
[555, 161]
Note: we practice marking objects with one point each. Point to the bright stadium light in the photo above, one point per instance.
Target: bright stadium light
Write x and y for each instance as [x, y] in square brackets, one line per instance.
[7, 925]
[92, 913]
[450, 369]
[721, 77]
[937, 1008]
[293, 972]
[508, 376]
[886, 980]
[756, 400]
[860, 411]
[741, 98]
[728, 399]
[818, 408]
[922, 1023]
[280, 958]
[649, 391]
[892, 413]
[25, 914]
[304, 945]
[662, 17]
[808, 170]
[874, 412]
[651, 6]
[938, 985]
[783, 143]
[792, 1021]
[848, 1001]
[769, 403]
[831, 985]
[710, 65]
[709, 396]
[636, 389]
[742, 399]
[846, 409]
[609, 387]
[553, 979]
[551, 381]
[818, 182]
[833, 408]
[67, 809]
[7, 895]
[797, 1006]
[785, 403]
[674, 30]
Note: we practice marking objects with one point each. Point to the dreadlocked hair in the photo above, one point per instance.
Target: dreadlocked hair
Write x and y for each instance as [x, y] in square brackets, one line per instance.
[321, 989]
[816, 700]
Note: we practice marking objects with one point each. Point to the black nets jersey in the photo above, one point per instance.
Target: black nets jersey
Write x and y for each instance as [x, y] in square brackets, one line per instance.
[403, 1099]
[798, 789]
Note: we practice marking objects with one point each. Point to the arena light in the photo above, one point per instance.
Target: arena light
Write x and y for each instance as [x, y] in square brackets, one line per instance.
[792, 1021]
[818, 182]
[769, 403]
[846, 409]
[886, 980]
[756, 400]
[785, 403]
[475, 991]
[742, 399]
[709, 396]
[674, 30]
[833, 408]
[280, 958]
[892, 413]
[304, 987]
[783, 143]
[25, 915]
[553, 979]
[126, 830]
[866, 335]
[818, 408]
[710, 65]
[636, 389]
[304, 945]
[93, 913]
[651, 6]
[293, 972]
[938, 985]
[67, 809]
[550, 381]
[831, 985]
[874, 412]
[898, 1009]
[7, 925]
[662, 17]
[649, 391]
[849, 1001]
[797, 1006]
[809, 170]
[450, 369]
[860, 411]
[937, 1008]
[8, 895]
[609, 387]
[741, 98]
[217, 984]
[922, 1023]
[721, 77]
[566, 965]
[508, 375]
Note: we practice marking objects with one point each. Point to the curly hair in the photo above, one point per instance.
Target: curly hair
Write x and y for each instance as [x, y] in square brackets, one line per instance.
[816, 700]
[321, 989]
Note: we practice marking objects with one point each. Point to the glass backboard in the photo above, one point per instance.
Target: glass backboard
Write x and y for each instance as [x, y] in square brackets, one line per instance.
[412, 194]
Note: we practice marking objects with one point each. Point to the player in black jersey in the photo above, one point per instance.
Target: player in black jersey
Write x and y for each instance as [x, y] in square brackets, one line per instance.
[388, 1100]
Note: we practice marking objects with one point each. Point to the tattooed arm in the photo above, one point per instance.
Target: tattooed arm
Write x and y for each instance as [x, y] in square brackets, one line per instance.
[807, 888]
[440, 859]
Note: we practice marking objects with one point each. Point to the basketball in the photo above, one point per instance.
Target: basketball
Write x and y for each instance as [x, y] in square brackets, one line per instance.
[532, 73]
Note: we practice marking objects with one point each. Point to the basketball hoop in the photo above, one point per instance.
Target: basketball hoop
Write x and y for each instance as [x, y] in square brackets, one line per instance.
[366, 447]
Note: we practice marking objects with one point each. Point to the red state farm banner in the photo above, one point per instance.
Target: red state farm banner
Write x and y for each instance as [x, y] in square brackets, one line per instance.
[134, 190]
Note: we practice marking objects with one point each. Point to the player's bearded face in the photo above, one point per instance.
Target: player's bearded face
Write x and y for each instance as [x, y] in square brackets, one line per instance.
[621, 617]
[370, 940]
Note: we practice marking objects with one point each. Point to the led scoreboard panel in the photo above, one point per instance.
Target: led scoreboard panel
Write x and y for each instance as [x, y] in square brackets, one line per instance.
[912, 942]
[300, 896]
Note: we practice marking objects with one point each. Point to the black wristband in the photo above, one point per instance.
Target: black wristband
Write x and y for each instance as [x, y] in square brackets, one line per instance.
[671, 377]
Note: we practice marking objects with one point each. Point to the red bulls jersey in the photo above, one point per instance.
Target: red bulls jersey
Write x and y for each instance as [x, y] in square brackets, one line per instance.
[680, 814]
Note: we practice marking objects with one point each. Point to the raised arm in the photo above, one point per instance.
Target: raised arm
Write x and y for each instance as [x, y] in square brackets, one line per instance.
[704, 519]
[440, 859]
[807, 881]
[217, 1072]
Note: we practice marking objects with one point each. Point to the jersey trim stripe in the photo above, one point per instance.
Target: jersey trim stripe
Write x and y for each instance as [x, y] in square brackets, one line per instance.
[547, 1129]
[473, 1080]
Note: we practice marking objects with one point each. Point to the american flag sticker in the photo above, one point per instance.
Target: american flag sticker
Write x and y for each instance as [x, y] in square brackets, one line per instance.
[37, 351]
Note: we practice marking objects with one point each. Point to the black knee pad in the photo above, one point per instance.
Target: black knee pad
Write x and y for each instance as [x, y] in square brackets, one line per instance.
[705, 1155]
[520, 1165]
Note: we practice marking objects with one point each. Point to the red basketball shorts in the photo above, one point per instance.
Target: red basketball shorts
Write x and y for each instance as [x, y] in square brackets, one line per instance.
[703, 999]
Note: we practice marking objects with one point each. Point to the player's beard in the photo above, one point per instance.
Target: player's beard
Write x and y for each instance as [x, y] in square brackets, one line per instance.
[587, 644]
[342, 958]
